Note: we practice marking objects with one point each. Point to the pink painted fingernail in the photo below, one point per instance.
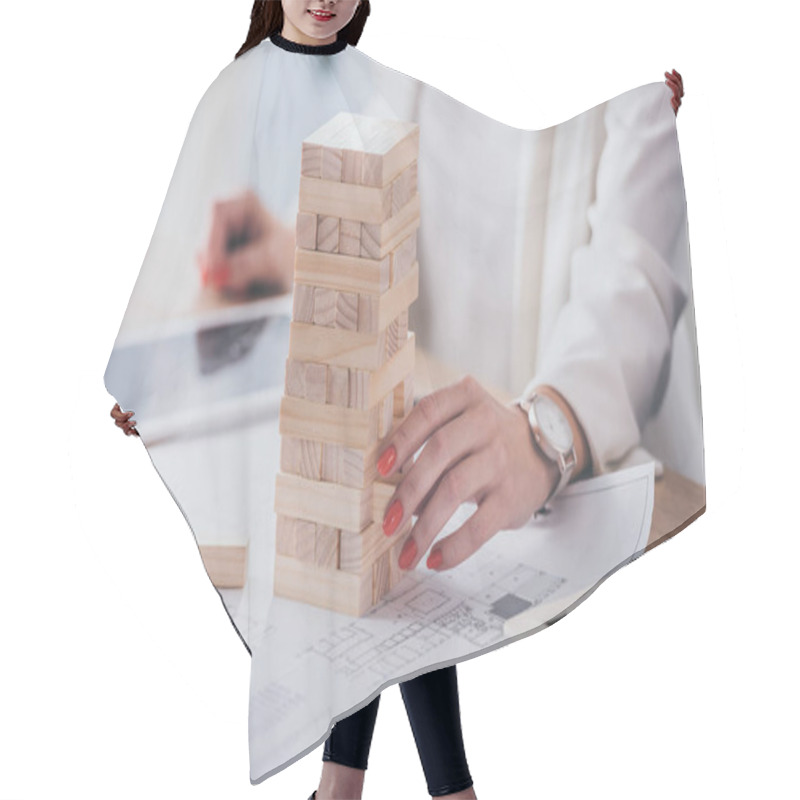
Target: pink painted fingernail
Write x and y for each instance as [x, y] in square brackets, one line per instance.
[392, 518]
[435, 559]
[408, 554]
[386, 461]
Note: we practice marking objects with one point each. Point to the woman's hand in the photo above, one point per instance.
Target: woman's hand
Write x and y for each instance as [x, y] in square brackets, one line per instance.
[675, 82]
[247, 245]
[123, 420]
[477, 449]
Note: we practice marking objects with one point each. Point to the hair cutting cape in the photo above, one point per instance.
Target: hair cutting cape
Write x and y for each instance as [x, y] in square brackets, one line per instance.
[426, 241]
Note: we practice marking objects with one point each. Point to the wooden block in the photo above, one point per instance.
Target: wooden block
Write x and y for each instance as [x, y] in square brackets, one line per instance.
[295, 378]
[324, 307]
[368, 387]
[380, 578]
[346, 273]
[380, 169]
[404, 256]
[305, 533]
[301, 457]
[325, 503]
[327, 233]
[331, 462]
[403, 187]
[387, 146]
[333, 199]
[378, 240]
[326, 553]
[377, 312]
[392, 342]
[226, 565]
[404, 397]
[284, 535]
[386, 416]
[352, 166]
[343, 592]
[396, 574]
[350, 237]
[333, 346]
[402, 323]
[331, 164]
[338, 386]
[402, 294]
[347, 305]
[359, 388]
[311, 160]
[316, 382]
[349, 466]
[368, 306]
[382, 492]
[383, 381]
[303, 303]
[306, 231]
[326, 423]
[359, 551]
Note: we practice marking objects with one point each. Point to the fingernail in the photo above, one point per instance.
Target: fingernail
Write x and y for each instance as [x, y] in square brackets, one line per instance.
[392, 518]
[435, 559]
[408, 554]
[386, 461]
[220, 276]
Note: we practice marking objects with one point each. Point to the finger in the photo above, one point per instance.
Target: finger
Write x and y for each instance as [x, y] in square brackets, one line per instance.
[458, 546]
[432, 411]
[251, 263]
[453, 442]
[461, 482]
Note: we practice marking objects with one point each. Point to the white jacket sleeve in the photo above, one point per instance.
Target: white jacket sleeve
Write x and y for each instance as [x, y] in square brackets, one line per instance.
[609, 351]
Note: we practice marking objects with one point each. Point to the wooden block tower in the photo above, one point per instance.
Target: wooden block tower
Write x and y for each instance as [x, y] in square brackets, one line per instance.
[349, 374]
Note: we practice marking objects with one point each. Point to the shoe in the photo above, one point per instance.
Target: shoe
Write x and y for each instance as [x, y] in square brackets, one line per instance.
[313, 795]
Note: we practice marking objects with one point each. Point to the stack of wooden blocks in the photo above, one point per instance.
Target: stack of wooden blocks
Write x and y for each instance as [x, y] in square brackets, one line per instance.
[349, 374]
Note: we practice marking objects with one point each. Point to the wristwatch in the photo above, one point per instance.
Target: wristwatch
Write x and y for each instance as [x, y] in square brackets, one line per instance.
[552, 436]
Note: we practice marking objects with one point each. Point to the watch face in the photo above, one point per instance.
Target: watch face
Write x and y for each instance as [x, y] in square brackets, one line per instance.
[554, 423]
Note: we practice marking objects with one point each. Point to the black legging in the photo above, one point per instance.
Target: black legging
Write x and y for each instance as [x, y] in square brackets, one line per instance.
[432, 706]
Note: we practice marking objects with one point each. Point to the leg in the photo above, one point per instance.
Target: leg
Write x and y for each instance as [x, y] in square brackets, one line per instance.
[433, 711]
[345, 755]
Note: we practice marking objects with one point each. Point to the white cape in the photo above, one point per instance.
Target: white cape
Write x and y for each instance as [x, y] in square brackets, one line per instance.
[557, 257]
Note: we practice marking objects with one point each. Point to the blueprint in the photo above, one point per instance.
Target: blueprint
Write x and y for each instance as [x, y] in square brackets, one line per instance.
[312, 666]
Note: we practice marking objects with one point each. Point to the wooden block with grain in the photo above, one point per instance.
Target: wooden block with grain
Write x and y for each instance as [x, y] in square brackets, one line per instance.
[353, 427]
[311, 160]
[349, 466]
[326, 553]
[303, 303]
[327, 233]
[331, 164]
[336, 200]
[324, 307]
[335, 589]
[331, 504]
[301, 457]
[295, 385]
[377, 240]
[316, 382]
[341, 272]
[346, 316]
[338, 386]
[305, 540]
[384, 147]
[350, 237]
[404, 256]
[380, 578]
[403, 187]
[306, 231]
